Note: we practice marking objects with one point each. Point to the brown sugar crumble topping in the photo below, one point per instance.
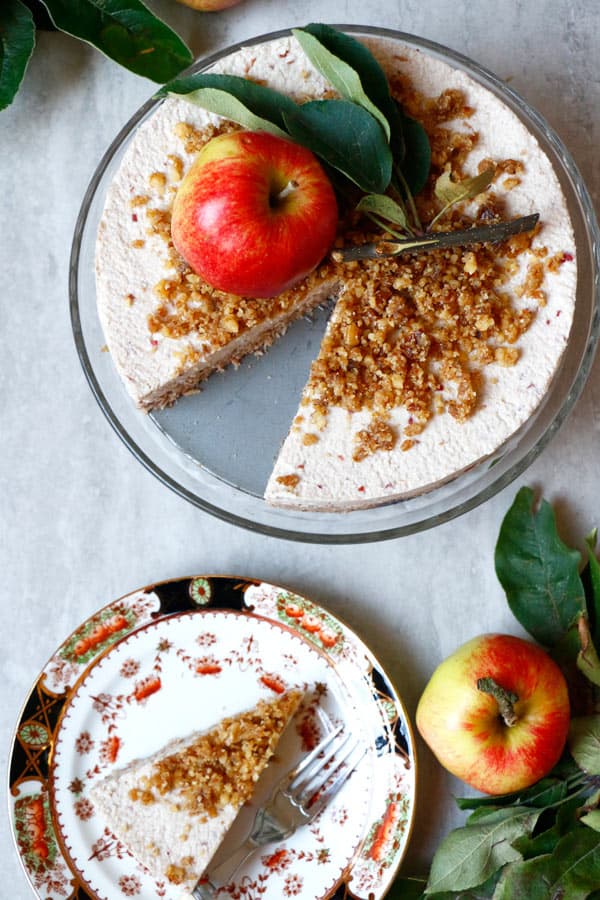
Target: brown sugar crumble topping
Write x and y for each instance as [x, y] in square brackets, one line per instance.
[414, 332]
[222, 766]
[289, 481]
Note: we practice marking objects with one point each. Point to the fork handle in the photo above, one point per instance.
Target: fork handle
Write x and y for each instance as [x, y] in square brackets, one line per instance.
[222, 875]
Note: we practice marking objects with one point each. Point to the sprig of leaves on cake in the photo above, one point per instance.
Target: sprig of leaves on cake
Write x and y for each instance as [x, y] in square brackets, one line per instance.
[365, 136]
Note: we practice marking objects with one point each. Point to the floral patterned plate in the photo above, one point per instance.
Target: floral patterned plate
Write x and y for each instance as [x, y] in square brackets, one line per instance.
[177, 657]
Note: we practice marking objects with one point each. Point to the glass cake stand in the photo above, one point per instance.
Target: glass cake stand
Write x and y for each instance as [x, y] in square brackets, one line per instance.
[216, 448]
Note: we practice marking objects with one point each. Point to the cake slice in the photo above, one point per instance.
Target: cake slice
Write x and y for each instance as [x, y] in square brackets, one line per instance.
[173, 809]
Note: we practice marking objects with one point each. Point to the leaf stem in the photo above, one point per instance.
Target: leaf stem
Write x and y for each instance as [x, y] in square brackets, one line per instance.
[386, 226]
[439, 215]
[410, 198]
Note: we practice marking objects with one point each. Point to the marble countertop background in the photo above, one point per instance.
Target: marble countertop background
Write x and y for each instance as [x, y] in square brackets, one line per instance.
[82, 522]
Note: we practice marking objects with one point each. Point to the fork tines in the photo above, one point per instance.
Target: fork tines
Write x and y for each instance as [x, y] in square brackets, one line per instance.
[325, 770]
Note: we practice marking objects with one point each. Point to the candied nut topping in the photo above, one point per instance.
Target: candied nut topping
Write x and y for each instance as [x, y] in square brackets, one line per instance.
[378, 436]
[289, 481]
[176, 874]
[222, 766]
[139, 200]
[158, 181]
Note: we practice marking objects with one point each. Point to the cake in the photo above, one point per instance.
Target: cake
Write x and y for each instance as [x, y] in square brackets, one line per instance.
[173, 809]
[430, 362]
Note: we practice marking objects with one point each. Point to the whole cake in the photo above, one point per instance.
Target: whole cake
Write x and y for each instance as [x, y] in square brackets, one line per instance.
[431, 360]
[173, 809]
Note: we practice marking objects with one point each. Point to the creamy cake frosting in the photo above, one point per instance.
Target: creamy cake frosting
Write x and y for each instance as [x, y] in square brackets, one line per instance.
[318, 467]
[173, 809]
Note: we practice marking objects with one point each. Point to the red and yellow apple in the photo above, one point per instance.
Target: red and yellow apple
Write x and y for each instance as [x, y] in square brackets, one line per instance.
[254, 214]
[496, 713]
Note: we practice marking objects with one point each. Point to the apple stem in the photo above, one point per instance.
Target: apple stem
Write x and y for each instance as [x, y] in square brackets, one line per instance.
[290, 187]
[505, 699]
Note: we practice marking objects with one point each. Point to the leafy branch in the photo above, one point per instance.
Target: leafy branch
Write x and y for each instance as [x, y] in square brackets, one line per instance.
[124, 30]
[542, 842]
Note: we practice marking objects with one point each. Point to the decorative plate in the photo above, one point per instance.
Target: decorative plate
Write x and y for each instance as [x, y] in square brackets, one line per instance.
[176, 657]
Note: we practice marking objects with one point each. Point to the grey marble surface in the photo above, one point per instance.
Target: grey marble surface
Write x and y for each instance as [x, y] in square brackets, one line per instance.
[82, 522]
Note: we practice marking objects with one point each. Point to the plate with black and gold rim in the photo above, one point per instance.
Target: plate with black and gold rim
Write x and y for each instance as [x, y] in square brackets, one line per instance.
[174, 658]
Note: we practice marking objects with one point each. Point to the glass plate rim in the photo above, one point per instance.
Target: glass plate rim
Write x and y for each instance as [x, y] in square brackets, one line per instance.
[399, 702]
[454, 510]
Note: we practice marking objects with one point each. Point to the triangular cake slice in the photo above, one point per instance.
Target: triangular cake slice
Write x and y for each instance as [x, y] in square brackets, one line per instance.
[173, 809]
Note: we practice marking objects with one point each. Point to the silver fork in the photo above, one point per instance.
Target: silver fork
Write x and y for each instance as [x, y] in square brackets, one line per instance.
[295, 801]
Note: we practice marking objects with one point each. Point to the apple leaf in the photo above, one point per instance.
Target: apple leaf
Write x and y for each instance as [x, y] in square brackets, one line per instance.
[383, 206]
[538, 572]
[469, 856]
[587, 659]
[592, 581]
[584, 743]
[372, 77]
[450, 192]
[572, 871]
[17, 40]
[542, 794]
[262, 102]
[416, 163]
[224, 104]
[345, 136]
[126, 31]
[407, 889]
[592, 819]
[339, 74]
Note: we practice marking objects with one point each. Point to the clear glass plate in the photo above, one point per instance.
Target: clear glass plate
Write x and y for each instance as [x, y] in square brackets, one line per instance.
[216, 448]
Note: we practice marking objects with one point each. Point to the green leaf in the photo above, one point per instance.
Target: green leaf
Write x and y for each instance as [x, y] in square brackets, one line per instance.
[383, 206]
[538, 572]
[587, 659]
[346, 137]
[223, 104]
[262, 102]
[546, 841]
[412, 889]
[407, 889]
[543, 793]
[584, 743]
[592, 819]
[372, 77]
[417, 157]
[339, 74]
[449, 191]
[469, 856]
[571, 872]
[126, 31]
[593, 595]
[17, 40]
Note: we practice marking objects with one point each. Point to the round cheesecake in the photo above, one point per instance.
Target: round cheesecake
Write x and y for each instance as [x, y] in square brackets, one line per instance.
[430, 362]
